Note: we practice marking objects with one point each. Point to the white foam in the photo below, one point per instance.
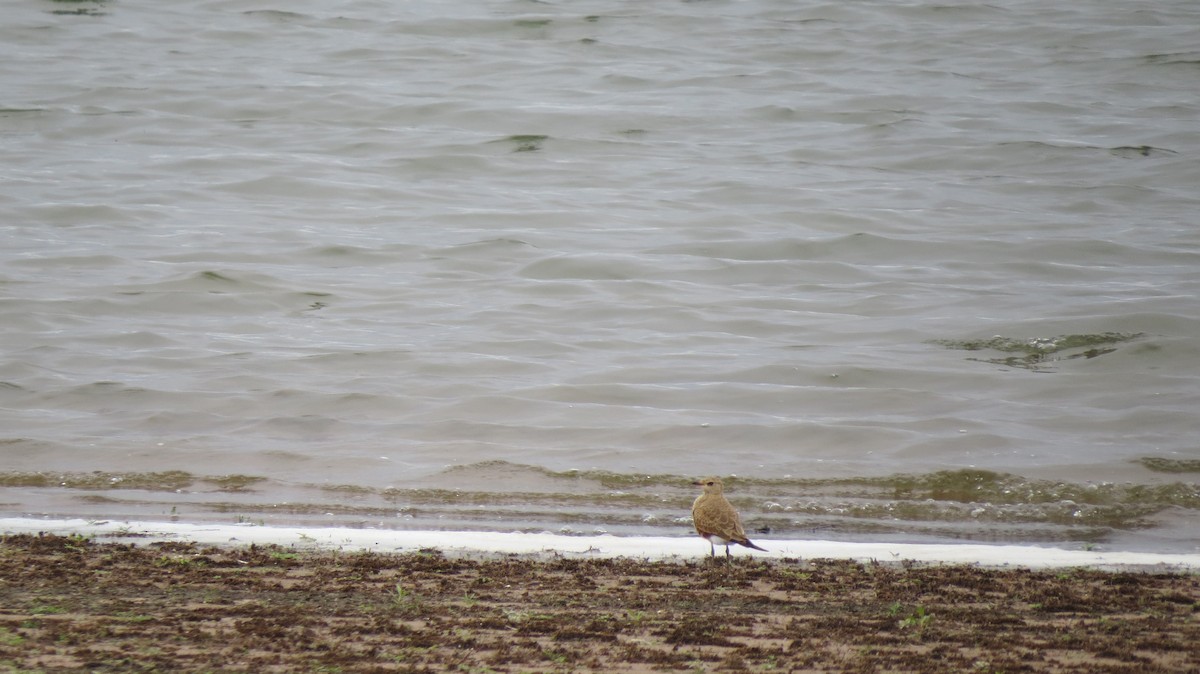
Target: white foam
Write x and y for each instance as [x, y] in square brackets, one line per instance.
[641, 547]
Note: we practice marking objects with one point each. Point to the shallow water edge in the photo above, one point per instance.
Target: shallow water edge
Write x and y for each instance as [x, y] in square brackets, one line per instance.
[953, 506]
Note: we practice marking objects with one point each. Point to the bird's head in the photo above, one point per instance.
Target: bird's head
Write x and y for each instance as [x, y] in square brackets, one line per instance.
[710, 485]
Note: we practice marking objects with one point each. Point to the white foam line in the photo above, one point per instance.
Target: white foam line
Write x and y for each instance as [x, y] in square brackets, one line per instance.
[639, 547]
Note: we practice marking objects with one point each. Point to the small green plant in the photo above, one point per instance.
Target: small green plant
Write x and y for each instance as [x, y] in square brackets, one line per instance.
[793, 573]
[77, 542]
[405, 600]
[918, 619]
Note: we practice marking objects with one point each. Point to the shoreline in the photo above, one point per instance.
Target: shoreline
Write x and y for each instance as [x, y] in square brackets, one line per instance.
[650, 548]
[74, 603]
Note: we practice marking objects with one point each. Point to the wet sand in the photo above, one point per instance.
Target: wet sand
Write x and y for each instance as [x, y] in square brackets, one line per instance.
[70, 603]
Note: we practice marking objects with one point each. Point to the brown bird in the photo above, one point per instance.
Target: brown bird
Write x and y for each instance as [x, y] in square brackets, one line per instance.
[716, 520]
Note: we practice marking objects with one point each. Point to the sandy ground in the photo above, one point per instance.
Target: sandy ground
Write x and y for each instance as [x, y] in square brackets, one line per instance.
[69, 603]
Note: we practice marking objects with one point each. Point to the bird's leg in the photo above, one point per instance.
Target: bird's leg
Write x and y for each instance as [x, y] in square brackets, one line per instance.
[712, 550]
[728, 557]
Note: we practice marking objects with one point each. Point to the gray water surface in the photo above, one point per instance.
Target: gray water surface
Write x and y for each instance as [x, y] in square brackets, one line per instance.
[352, 249]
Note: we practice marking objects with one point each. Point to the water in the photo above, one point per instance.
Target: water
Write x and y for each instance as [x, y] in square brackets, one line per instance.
[406, 265]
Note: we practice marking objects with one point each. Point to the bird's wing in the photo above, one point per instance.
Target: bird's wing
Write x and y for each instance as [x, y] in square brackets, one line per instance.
[735, 526]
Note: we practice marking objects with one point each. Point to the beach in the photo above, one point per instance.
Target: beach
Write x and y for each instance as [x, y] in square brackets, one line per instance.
[354, 336]
[75, 602]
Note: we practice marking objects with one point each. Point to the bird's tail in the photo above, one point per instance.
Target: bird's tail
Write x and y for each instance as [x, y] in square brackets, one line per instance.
[746, 542]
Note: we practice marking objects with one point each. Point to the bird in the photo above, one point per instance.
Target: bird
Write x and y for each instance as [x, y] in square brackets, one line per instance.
[715, 519]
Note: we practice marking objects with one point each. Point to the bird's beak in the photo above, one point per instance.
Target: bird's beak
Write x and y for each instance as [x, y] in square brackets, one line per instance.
[698, 483]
